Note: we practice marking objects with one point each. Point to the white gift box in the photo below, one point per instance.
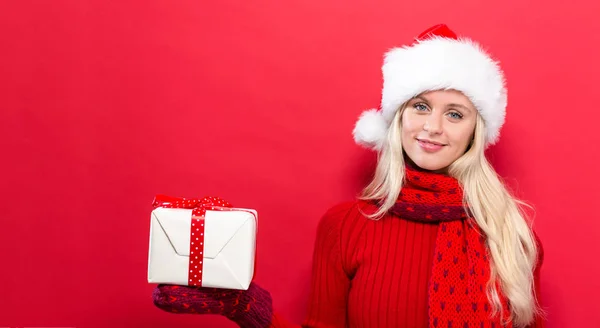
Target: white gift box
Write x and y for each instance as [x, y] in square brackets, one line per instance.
[229, 243]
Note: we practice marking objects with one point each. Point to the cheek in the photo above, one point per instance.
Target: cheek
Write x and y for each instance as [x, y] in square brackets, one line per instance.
[462, 137]
[408, 132]
[410, 125]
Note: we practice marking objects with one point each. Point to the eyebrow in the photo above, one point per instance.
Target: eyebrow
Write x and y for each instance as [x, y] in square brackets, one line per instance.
[449, 105]
[422, 98]
[460, 106]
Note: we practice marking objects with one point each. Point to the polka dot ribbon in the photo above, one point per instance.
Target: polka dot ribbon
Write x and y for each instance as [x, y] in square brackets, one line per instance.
[199, 208]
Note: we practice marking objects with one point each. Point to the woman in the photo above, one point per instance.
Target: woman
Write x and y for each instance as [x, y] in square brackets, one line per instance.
[435, 240]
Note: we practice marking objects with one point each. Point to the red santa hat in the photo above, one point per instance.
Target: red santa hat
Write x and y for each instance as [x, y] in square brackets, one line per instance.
[438, 60]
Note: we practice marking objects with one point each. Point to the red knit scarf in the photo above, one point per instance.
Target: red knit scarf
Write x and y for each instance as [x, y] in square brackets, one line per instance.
[461, 268]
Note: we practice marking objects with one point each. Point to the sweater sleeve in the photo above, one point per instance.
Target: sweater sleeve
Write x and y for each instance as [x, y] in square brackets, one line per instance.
[330, 283]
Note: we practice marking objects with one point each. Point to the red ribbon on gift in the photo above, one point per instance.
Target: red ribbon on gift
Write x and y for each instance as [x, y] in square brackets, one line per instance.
[199, 208]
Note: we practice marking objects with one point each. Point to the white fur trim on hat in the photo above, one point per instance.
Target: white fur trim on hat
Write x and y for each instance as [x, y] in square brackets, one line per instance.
[437, 63]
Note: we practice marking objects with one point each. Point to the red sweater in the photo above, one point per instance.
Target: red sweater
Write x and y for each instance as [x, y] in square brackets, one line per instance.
[369, 273]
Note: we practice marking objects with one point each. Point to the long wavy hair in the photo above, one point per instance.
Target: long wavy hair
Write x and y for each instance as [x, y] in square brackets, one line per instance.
[511, 242]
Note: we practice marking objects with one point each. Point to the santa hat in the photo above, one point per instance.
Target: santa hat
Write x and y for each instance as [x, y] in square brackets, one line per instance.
[438, 60]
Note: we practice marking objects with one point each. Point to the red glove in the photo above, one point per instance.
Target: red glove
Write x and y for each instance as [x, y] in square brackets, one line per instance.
[252, 308]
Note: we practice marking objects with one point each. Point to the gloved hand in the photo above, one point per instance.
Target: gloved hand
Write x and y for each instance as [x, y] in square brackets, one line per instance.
[252, 308]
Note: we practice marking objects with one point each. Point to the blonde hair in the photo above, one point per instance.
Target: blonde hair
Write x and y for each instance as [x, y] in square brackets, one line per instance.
[510, 240]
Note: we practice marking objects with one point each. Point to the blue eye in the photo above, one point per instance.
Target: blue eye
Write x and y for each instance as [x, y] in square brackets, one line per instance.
[420, 107]
[455, 115]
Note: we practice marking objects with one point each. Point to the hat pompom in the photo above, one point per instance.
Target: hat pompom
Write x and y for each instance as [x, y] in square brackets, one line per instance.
[370, 129]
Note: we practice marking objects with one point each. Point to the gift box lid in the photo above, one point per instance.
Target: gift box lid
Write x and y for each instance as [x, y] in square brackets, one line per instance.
[220, 228]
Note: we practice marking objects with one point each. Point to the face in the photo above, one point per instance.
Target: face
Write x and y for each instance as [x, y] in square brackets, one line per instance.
[437, 127]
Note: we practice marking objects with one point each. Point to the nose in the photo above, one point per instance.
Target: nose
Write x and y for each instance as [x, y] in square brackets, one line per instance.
[433, 124]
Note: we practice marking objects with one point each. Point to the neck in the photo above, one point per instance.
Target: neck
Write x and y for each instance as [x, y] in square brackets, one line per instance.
[430, 197]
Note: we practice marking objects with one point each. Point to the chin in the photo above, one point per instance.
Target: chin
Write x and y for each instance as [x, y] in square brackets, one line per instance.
[429, 164]
[432, 167]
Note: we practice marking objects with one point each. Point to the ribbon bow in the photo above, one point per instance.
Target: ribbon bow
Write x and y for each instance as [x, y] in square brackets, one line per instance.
[199, 208]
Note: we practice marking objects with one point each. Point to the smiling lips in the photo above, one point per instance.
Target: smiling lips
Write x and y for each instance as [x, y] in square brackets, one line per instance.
[429, 145]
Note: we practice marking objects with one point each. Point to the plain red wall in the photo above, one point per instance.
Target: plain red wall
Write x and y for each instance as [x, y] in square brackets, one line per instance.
[106, 103]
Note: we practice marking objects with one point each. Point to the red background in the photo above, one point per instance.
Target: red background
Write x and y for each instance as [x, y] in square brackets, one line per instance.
[106, 103]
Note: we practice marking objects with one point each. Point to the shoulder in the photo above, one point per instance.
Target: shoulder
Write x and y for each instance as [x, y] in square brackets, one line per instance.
[340, 230]
[346, 216]
[349, 209]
